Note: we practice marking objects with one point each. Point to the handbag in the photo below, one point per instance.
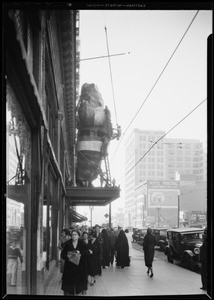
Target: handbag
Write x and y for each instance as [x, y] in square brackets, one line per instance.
[74, 257]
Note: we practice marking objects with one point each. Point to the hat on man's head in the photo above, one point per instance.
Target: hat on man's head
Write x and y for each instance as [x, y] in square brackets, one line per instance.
[97, 226]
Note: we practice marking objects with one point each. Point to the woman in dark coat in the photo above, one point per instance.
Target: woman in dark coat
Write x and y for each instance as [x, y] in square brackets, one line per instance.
[73, 278]
[106, 249]
[149, 250]
[94, 266]
[65, 236]
[122, 250]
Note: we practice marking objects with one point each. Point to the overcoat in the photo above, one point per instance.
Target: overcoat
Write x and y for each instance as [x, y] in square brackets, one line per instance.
[94, 267]
[73, 278]
[149, 249]
[122, 250]
[106, 248]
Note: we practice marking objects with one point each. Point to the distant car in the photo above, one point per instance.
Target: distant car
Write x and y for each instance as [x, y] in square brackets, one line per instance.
[160, 236]
[138, 234]
[135, 235]
[184, 246]
[142, 233]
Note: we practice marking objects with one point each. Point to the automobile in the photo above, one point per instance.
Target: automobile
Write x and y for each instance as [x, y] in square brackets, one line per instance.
[137, 233]
[142, 233]
[183, 245]
[160, 234]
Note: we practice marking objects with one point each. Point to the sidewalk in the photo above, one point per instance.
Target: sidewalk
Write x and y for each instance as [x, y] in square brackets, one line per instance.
[168, 279]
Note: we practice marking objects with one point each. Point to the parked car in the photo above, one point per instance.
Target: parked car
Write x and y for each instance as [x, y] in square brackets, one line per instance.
[138, 234]
[160, 236]
[184, 245]
[142, 233]
[135, 234]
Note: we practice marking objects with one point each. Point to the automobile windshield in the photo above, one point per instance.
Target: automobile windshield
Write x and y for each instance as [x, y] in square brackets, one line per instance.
[162, 232]
[192, 236]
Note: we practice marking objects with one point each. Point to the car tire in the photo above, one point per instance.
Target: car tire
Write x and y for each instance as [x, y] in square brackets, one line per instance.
[162, 248]
[169, 258]
[188, 263]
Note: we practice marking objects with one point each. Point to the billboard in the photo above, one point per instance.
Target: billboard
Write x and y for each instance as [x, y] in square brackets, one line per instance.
[162, 198]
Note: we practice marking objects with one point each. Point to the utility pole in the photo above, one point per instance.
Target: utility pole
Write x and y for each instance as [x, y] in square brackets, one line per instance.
[110, 215]
[91, 208]
[158, 209]
[178, 209]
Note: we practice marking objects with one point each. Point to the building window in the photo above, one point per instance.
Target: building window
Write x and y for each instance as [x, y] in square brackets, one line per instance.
[18, 143]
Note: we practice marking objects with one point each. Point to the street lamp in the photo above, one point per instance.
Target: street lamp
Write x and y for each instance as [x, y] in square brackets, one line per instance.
[158, 209]
[178, 209]
[91, 208]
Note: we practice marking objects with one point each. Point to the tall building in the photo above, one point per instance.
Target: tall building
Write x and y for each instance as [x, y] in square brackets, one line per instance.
[185, 156]
[147, 160]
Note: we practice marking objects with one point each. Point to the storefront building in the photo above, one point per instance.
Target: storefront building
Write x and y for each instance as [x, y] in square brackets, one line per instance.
[41, 85]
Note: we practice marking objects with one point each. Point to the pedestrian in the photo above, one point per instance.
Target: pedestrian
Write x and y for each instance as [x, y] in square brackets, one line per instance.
[106, 249]
[113, 238]
[203, 259]
[74, 253]
[65, 236]
[129, 238]
[122, 250]
[85, 239]
[149, 242]
[13, 253]
[94, 266]
[99, 237]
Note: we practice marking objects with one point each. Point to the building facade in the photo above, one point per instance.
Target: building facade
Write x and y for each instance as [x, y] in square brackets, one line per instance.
[160, 159]
[41, 86]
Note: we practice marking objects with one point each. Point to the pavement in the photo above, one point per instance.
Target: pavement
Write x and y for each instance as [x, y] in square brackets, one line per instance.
[169, 279]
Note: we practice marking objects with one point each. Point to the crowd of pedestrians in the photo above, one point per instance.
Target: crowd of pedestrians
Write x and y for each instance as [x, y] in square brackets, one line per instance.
[85, 252]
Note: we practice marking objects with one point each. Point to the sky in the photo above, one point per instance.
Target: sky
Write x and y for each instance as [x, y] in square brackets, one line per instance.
[151, 37]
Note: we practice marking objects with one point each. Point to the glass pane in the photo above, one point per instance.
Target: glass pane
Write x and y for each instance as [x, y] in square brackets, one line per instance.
[18, 146]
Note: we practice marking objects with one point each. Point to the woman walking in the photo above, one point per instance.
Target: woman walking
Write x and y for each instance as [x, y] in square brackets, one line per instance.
[106, 249]
[149, 250]
[122, 250]
[113, 238]
[94, 266]
[65, 236]
[85, 238]
[74, 253]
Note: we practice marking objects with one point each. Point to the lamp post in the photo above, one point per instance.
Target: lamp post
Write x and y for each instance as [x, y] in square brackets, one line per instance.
[110, 215]
[178, 209]
[91, 208]
[158, 209]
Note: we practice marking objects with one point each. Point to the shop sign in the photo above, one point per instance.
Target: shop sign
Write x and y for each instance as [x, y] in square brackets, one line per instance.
[165, 184]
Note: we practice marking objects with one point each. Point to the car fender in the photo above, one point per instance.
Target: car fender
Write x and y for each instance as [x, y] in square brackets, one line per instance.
[187, 253]
[168, 250]
[162, 242]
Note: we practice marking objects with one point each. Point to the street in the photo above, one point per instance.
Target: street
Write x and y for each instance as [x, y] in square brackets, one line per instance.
[160, 255]
[169, 279]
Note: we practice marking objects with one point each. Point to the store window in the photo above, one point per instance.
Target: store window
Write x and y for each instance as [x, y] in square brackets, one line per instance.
[48, 219]
[18, 168]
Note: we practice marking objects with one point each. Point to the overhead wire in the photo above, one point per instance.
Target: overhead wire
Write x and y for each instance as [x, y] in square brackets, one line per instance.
[162, 138]
[112, 86]
[155, 83]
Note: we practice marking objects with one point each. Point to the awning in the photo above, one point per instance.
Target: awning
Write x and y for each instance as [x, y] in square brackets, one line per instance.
[96, 196]
[76, 217]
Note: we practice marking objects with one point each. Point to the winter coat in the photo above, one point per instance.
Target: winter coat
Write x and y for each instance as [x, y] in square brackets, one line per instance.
[149, 242]
[73, 278]
[122, 250]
